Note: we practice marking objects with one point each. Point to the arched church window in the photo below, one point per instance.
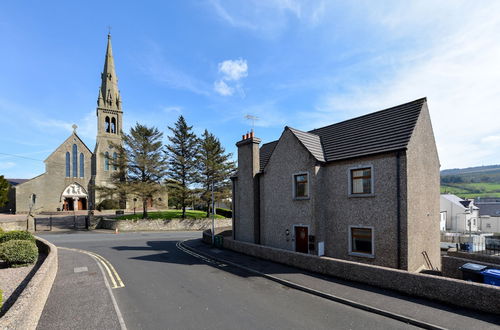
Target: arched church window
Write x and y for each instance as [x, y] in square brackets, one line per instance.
[107, 124]
[68, 166]
[82, 165]
[113, 125]
[75, 161]
[115, 159]
[106, 161]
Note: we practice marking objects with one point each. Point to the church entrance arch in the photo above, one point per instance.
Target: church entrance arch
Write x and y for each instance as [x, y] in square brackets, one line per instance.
[74, 198]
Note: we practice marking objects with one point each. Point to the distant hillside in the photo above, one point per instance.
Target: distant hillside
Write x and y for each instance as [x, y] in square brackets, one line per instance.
[472, 182]
[468, 170]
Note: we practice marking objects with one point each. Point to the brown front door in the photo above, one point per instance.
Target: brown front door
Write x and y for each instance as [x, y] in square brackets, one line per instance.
[301, 239]
[82, 204]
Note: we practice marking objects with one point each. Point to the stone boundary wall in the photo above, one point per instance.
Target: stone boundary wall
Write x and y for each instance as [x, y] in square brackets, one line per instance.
[475, 257]
[27, 309]
[13, 225]
[158, 225]
[476, 296]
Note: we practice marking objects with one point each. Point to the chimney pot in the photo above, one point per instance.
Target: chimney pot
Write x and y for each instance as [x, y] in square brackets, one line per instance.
[243, 137]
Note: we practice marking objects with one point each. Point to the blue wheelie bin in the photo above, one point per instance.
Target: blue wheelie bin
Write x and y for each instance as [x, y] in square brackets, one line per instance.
[491, 276]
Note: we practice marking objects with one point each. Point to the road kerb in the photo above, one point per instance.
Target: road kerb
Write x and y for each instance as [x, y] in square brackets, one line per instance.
[328, 296]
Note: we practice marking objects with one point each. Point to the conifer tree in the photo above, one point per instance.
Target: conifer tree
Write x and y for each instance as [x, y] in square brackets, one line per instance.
[214, 168]
[4, 191]
[182, 154]
[139, 167]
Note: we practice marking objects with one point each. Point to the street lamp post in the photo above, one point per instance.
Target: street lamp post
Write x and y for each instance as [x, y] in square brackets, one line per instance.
[213, 215]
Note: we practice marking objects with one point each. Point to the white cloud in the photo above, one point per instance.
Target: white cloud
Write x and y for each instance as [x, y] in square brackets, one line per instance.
[457, 69]
[234, 69]
[6, 165]
[172, 109]
[269, 18]
[222, 88]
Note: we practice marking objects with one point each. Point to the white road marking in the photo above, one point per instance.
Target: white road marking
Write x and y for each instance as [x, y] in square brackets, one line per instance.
[80, 269]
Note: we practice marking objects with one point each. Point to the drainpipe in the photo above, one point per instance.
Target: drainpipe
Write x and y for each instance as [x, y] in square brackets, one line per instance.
[256, 207]
[398, 206]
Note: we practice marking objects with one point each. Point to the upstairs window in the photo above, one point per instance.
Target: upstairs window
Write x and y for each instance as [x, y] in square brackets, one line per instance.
[82, 165]
[68, 165]
[361, 181]
[106, 161]
[113, 125]
[115, 160]
[361, 241]
[75, 161]
[107, 125]
[301, 186]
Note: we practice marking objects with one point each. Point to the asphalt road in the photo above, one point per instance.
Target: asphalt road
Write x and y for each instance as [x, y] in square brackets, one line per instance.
[166, 288]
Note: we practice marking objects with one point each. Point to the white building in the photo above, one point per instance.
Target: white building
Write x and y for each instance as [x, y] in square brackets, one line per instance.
[461, 215]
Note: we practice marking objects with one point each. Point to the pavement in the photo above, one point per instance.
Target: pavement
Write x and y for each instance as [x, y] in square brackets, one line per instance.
[421, 312]
[79, 298]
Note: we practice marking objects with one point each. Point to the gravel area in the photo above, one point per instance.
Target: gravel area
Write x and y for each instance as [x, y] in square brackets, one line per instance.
[10, 278]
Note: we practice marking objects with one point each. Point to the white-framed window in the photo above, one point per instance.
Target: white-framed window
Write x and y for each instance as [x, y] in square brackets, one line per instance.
[362, 241]
[361, 181]
[301, 185]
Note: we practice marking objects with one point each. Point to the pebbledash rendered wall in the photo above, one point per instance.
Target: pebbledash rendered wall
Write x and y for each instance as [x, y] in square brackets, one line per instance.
[50, 185]
[330, 210]
[472, 295]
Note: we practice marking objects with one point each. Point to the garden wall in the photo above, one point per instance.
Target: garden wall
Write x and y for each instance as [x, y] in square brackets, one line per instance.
[477, 296]
[454, 259]
[158, 225]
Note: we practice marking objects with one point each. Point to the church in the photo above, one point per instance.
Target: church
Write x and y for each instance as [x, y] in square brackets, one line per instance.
[73, 171]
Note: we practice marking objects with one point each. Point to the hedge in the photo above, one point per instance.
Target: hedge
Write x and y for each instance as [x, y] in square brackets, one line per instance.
[18, 252]
[17, 235]
[224, 212]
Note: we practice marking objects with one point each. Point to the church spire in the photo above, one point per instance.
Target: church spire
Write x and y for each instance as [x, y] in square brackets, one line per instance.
[109, 95]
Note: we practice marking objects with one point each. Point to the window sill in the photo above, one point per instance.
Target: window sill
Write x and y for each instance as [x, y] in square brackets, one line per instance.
[301, 198]
[361, 195]
[363, 255]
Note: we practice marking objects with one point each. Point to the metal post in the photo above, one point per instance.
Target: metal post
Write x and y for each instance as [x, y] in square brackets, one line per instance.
[213, 215]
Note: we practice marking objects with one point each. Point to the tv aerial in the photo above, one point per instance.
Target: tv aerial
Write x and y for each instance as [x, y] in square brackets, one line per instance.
[252, 118]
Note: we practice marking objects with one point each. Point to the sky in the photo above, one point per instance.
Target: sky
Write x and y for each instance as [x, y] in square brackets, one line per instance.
[305, 64]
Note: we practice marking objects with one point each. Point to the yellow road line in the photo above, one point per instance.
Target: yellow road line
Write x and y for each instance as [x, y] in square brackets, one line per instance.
[107, 266]
[115, 273]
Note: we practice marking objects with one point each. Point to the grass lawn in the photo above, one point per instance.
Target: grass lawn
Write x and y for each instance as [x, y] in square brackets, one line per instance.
[169, 214]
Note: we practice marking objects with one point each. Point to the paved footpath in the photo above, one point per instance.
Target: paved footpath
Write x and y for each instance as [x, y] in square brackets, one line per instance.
[79, 298]
[434, 313]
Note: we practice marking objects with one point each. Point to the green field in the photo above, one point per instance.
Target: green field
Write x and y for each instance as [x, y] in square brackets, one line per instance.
[169, 214]
[472, 190]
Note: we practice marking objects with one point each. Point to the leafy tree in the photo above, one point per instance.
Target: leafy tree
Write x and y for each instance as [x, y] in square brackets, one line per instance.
[214, 168]
[140, 166]
[4, 191]
[182, 154]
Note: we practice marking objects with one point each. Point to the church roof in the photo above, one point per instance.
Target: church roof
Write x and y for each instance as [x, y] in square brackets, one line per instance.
[65, 141]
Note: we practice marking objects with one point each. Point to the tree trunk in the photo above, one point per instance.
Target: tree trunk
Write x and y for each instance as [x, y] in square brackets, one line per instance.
[183, 212]
[144, 208]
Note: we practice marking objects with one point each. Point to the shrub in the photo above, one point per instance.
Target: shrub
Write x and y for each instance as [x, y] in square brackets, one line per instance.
[1, 230]
[16, 234]
[108, 204]
[18, 252]
[224, 212]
